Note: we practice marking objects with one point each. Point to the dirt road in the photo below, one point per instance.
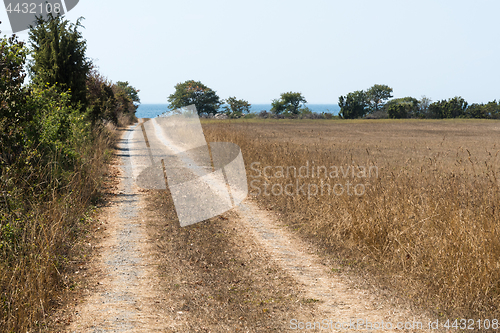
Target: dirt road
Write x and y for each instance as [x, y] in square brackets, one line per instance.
[242, 271]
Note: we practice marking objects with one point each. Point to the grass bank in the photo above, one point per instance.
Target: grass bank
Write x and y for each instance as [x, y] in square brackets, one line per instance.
[45, 215]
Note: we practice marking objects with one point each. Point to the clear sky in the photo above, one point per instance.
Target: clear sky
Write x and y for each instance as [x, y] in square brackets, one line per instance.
[257, 49]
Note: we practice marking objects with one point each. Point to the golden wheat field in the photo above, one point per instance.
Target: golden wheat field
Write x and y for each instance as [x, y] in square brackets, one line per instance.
[414, 203]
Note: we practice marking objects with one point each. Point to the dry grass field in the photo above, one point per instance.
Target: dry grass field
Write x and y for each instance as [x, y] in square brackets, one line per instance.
[414, 204]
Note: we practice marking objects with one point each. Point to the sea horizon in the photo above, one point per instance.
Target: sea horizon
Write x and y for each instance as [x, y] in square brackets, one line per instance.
[151, 110]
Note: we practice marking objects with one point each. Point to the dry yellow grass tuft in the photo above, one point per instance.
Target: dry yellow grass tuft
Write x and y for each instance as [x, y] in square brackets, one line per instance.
[414, 202]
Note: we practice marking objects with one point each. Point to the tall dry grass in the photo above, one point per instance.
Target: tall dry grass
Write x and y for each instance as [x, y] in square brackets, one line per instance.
[427, 225]
[41, 222]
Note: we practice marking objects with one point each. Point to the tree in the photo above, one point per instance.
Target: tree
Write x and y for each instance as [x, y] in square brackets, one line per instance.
[376, 95]
[409, 108]
[491, 110]
[288, 104]
[476, 111]
[452, 108]
[58, 51]
[397, 111]
[455, 107]
[101, 100]
[130, 91]
[195, 92]
[236, 107]
[353, 105]
[127, 97]
[423, 104]
[14, 115]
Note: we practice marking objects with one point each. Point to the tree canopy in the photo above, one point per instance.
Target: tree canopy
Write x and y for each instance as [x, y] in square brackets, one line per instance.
[288, 104]
[353, 105]
[452, 108]
[406, 107]
[58, 51]
[191, 92]
[13, 95]
[130, 91]
[376, 96]
[358, 103]
[236, 108]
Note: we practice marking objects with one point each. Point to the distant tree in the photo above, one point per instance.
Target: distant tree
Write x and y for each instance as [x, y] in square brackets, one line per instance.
[194, 92]
[476, 110]
[452, 108]
[101, 99]
[13, 112]
[423, 105]
[456, 107]
[353, 105]
[288, 104]
[58, 52]
[398, 111]
[436, 110]
[376, 96]
[236, 107]
[127, 97]
[491, 110]
[131, 92]
[409, 108]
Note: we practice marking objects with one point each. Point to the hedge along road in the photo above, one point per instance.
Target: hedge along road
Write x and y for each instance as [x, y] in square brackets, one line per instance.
[154, 276]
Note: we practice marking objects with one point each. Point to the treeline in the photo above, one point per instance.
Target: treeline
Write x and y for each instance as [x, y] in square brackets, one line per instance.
[54, 111]
[375, 103]
[210, 105]
[372, 103]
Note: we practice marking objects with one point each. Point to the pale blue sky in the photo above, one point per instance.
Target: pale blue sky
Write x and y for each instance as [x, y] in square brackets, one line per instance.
[257, 49]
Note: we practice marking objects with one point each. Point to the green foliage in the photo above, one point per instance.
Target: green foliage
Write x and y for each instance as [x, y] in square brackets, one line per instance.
[423, 105]
[41, 123]
[106, 101]
[250, 116]
[236, 108]
[194, 92]
[10, 240]
[353, 105]
[490, 110]
[102, 104]
[406, 107]
[58, 127]
[124, 103]
[305, 111]
[376, 96]
[58, 51]
[50, 158]
[13, 115]
[398, 111]
[358, 103]
[289, 104]
[476, 111]
[452, 108]
[128, 90]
